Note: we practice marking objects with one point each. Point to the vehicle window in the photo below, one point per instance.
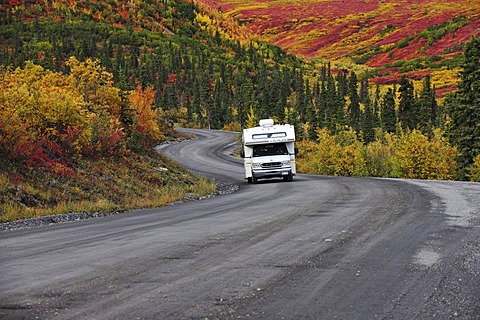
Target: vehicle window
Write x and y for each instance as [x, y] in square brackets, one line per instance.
[263, 150]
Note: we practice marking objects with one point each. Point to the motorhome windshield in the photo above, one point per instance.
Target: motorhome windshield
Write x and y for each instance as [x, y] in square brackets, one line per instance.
[276, 149]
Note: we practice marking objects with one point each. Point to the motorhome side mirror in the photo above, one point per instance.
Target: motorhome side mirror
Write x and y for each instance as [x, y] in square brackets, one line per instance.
[296, 150]
[242, 154]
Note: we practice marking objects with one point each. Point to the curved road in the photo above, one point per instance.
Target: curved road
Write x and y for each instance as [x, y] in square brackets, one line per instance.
[316, 248]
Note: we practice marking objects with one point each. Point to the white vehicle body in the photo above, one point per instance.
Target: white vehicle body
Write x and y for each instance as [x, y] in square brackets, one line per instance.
[269, 151]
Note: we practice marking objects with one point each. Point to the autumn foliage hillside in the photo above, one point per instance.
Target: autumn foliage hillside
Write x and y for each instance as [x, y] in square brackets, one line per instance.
[389, 36]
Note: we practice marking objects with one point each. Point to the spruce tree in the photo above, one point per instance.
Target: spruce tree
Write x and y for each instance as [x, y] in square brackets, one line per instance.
[364, 94]
[463, 108]
[427, 105]
[317, 106]
[388, 117]
[333, 108]
[369, 118]
[354, 113]
[376, 107]
[368, 123]
[407, 108]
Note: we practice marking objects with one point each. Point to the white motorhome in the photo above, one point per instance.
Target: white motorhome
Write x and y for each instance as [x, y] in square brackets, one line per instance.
[269, 151]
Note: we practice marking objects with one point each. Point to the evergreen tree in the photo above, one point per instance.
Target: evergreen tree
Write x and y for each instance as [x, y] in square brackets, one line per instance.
[463, 108]
[299, 88]
[368, 126]
[388, 117]
[364, 94]
[407, 108]
[427, 105]
[310, 114]
[342, 84]
[354, 113]
[332, 103]
[317, 106]
[370, 120]
[275, 89]
[342, 92]
[376, 107]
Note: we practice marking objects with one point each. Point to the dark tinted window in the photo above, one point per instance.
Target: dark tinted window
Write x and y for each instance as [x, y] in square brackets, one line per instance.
[263, 150]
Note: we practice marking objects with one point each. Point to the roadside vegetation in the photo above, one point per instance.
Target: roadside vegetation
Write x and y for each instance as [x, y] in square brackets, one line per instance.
[130, 181]
[410, 155]
[404, 135]
[73, 143]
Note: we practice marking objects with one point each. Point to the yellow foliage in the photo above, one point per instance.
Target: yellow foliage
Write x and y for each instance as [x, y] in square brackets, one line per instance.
[417, 157]
[289, 112]
[304, 159]
[332, 154]
[475, 170]
[410, 155]
[251, 119]
[45, 115]
[378, 155]
[306, 127]
[215, 21]
[37, 101]
[232, 126]
[95, 85]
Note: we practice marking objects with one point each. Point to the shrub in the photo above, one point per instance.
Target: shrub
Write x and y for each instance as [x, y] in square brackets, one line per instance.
[475, 170]
[402, 43]
[417, 157]
[409, 155]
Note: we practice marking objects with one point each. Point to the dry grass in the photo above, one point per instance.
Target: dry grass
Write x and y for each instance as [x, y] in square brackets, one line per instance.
[105, 185]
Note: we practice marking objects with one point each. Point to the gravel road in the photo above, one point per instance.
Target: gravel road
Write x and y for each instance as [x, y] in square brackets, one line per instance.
[316, 248]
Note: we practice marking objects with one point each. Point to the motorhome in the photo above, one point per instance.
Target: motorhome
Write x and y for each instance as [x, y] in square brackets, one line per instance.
[269, 151]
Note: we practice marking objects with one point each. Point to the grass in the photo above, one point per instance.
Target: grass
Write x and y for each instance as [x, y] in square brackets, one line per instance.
[102, 185]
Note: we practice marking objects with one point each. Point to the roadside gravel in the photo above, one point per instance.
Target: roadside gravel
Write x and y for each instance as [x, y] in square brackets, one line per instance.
[223, 188]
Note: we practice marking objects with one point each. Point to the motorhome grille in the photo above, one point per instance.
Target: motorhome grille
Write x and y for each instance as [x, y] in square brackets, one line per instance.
[271, 165]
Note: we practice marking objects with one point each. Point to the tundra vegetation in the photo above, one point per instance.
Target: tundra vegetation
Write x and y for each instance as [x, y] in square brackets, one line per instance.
[89, 87]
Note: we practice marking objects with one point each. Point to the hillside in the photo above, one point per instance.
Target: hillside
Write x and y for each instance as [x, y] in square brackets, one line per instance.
[388, 36]
[88, 88]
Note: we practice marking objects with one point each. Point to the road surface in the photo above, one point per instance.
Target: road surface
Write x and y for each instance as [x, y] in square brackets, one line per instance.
[316, 248]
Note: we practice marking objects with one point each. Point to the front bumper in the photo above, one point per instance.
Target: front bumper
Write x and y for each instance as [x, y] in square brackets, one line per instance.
[272, 173]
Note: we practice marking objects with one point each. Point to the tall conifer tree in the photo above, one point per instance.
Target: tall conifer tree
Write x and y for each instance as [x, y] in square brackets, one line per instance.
[427, 105]
[407, 108]
[354, 113]
[388, 117]
[463, 108]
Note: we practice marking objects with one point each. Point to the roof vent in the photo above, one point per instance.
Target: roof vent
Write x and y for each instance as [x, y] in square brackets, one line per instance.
[266, 123]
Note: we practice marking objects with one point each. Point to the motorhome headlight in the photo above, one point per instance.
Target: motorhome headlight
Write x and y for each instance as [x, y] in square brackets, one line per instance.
[256, 165]
[285, 162]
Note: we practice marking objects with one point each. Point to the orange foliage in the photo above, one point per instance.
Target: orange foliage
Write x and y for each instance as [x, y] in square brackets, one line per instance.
[145, 125]
[48, 119]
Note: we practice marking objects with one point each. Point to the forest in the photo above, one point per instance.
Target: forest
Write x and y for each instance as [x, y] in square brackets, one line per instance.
[104, 81]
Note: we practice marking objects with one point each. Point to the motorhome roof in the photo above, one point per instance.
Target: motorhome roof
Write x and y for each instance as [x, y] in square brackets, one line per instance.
[268, 133]
[266, 123]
